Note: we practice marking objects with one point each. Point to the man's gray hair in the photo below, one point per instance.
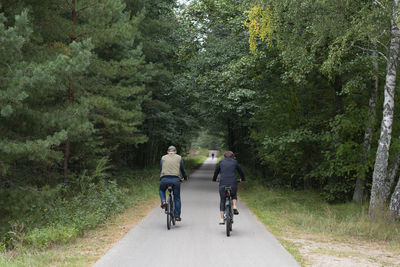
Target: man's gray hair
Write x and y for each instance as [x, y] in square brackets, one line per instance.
[171, 148]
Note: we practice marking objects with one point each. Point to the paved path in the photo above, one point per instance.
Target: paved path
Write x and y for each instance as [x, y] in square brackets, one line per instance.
[198, 240]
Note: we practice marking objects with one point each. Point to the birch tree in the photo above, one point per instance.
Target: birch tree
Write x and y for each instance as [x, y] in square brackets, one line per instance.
[380, 174]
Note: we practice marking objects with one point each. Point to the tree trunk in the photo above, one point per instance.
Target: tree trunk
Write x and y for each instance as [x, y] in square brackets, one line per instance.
[378, 197]
[392, 173]
[360, 182]
[394, 207]
[70, 96]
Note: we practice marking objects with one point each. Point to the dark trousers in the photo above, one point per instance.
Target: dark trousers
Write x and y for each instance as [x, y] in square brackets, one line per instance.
[165, 181]
[222, 195]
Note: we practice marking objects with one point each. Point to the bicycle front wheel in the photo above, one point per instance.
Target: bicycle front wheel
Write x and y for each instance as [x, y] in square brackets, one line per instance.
[228, 226]
[228, 221]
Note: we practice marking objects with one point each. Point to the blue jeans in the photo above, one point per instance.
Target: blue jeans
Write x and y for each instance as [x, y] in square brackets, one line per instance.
[177, 192]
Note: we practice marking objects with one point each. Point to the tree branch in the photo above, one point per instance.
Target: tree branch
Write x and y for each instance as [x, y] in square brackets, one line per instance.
[382, 44]
[86, 7]
[371, 50]
[379, 3]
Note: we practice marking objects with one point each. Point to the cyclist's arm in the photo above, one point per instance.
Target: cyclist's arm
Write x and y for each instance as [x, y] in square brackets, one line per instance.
[160, 165]
[241, 173]
[216, 172]
[183, 170]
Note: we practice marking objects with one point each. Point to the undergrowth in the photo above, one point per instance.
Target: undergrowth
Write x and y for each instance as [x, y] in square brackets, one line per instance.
[40, 217]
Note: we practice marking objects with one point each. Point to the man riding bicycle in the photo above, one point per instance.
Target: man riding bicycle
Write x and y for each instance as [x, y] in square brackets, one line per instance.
[227, 168]
[171, 172]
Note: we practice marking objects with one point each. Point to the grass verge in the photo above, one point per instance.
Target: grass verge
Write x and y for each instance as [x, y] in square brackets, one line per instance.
[294, 215]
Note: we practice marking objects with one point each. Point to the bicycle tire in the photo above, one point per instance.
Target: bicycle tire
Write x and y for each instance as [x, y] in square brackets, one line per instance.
[169, 213]
[173, 220]
[228, 219]
[231, 215]
[172, 210]
[228, 226]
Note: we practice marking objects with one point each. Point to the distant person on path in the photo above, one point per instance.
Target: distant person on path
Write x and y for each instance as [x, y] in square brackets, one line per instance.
[227, 168]
[212, 155]
[171, 172]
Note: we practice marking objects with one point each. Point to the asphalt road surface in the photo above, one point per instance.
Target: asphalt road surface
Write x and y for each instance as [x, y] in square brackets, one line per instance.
[198, 240]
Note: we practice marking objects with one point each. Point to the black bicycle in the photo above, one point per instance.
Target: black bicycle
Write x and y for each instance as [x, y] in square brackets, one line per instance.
[228, 214]
[170, 208]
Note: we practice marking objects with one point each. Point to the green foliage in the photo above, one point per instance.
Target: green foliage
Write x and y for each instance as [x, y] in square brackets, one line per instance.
[343, 161]
[207, 141]
[193, 162]
[298, 107]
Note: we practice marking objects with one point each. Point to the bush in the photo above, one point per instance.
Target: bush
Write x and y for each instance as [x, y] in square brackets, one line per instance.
[57, 215]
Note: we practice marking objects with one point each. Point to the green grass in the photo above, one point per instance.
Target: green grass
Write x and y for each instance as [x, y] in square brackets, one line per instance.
[193, 162]
[305, 212]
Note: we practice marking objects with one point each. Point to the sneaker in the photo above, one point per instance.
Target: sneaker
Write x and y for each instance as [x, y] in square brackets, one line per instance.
[163, 204]
[235, 210]
[178, 219]
[221, 221]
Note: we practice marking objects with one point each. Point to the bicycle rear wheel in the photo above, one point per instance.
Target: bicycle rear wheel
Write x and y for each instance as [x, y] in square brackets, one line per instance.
[173, 220]
[169, 213]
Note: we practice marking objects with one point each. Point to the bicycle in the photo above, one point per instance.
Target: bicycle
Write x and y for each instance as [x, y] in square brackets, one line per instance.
[170, 208]
[228, 214]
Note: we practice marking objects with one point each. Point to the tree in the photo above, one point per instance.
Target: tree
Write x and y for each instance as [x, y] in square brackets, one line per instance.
[33, 122]
[380, 188]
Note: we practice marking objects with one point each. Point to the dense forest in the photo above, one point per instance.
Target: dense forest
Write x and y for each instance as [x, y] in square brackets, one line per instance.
[301, 90]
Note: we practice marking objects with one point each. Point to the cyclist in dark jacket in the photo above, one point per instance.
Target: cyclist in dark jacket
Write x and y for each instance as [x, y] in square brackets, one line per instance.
[227, 169]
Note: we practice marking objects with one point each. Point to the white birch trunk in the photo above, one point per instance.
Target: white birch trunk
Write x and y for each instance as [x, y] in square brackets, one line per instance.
[392, 173]
[394, 207]
[378, 197]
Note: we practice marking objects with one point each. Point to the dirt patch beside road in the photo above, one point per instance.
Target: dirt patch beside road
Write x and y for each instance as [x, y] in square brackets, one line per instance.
[351, 253]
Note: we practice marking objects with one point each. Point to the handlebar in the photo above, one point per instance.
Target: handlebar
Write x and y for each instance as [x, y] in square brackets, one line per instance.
[237, 180]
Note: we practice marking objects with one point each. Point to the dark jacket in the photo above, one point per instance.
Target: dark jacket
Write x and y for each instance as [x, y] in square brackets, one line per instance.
[227, 167]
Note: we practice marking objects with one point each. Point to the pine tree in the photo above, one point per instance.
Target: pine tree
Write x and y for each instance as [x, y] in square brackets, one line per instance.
[33, 121]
